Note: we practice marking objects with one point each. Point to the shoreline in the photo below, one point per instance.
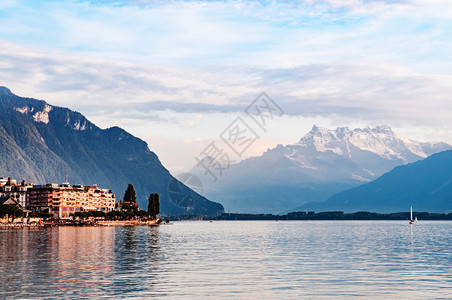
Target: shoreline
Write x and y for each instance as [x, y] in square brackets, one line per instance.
[97, 223]
[154, 224]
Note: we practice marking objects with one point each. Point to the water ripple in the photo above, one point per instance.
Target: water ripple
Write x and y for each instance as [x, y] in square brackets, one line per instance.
[230, 260]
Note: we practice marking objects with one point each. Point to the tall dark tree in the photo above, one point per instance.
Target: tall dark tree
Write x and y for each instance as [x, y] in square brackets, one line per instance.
[154, 205]
[130, 195]
[151, 207]
[157, 204]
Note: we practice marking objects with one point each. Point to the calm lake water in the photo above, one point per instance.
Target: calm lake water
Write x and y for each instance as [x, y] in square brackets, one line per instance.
[307, 259]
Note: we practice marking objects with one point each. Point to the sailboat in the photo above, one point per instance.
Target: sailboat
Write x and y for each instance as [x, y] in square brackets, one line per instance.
[411, 216]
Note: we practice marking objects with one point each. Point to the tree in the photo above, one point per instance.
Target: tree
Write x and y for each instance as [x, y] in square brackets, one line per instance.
[10, 210]
[151, 207]
[130, 195]
[154, 205]
[157, 204]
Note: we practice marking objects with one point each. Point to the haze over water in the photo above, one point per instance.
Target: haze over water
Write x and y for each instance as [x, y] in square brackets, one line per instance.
[267, 259]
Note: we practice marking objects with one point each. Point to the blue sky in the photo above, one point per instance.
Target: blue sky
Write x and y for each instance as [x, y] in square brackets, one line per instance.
[175, 73]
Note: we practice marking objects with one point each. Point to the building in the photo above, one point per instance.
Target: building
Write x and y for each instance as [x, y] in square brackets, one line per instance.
[60, 200]
[10, 188]
[40, 197]
[6, 200]
[65, 199]
[122, 204]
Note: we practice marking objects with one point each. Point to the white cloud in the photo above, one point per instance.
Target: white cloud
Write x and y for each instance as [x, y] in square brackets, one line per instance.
[96, 86]
[277, 34]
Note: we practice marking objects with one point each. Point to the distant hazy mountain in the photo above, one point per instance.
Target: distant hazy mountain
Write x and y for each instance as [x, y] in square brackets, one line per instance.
[43, 143]
[426, 185]
[323, 163]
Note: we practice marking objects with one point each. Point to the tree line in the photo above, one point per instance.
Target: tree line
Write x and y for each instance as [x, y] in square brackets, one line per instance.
[335, 215]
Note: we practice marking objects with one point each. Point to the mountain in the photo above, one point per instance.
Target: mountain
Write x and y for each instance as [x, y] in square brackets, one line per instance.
[43, 143]
[323, 163]
[425, 184]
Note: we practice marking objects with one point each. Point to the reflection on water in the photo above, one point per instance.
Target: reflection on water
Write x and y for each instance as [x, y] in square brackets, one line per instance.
[230, 259]
[136, 263]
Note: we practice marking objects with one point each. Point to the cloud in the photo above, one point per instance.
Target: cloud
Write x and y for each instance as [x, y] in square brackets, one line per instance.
[264, 33]
[135, 63]
[362, 91]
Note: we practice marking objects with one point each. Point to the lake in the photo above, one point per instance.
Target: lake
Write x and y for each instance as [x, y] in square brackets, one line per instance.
[230, 259]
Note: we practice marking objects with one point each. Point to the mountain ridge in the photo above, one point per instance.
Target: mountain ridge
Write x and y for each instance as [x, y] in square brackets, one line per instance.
[426, 185]
[321, 164]
[45, 143]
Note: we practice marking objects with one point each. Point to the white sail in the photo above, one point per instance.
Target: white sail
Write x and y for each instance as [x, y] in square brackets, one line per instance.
[411, 216]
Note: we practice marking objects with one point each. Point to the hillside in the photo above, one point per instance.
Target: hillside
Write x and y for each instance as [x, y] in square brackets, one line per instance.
[426, 185]
[322, 163]
[43, 143]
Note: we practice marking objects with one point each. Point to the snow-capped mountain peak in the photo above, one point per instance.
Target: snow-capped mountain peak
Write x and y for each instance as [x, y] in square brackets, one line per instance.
[380, 140]
[324, 162]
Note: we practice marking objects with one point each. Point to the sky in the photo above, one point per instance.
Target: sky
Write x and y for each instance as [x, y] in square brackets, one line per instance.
[178, 73]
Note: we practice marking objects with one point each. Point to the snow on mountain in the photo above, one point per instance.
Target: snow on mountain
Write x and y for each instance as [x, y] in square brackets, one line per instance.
[380, 140]
[322, 163]
[370, 152]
